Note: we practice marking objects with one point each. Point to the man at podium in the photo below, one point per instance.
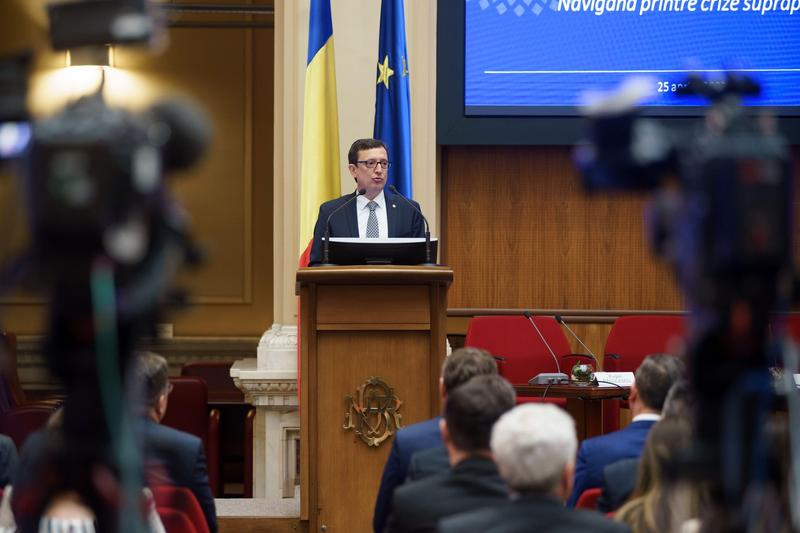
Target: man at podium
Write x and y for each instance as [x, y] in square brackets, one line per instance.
[370, 211]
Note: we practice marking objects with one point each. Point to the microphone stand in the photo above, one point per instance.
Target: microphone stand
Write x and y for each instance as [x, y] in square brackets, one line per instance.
[427, 227]
[563, 323]
[546, 378]
[327, 237]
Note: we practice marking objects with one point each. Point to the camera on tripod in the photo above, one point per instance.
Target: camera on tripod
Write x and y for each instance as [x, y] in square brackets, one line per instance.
[722, 216]
[107, 239]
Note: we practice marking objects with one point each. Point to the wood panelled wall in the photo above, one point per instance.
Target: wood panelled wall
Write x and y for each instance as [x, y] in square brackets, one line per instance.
[229, 72]
[520, 233]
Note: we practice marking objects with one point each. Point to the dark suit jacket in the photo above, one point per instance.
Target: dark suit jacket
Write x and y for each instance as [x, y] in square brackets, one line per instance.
[541, 514]
[619, 480]
[428, 463]
[597, 453]
[473, 483]
[181, 456]
[8, 460]
[403, 221]
[408, 441]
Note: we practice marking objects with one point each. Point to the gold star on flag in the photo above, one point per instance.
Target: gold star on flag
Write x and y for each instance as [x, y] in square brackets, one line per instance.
[384, 72]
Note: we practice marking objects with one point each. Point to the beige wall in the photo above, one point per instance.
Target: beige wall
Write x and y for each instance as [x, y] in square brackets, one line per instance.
[229, 72]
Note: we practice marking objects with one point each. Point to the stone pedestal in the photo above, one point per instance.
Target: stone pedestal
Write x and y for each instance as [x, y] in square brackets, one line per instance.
[270, 384]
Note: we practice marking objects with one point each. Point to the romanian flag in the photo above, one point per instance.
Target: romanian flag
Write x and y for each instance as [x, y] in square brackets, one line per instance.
[319, 175]
[392, 97]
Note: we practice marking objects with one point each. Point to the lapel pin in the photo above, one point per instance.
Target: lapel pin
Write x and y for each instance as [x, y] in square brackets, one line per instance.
[394, 205]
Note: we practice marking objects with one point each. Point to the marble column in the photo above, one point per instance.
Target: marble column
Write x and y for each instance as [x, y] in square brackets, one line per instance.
[270, 384]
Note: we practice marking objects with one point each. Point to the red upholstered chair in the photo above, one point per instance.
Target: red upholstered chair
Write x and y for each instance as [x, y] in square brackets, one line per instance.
[180, 499]
[175, 521]
[19, 417]
[788, 323]
[588, 499]
[217, 375]
[19, 422]
[514, 339]
[11, 393]
[187, 410]
[631, 339]
[222, 390]
[793, 327]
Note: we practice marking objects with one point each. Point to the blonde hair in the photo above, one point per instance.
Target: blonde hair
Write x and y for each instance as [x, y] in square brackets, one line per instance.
[662, 501]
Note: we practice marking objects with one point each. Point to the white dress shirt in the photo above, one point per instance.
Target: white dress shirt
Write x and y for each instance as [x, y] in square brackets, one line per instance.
[363, 215]
[646, 416]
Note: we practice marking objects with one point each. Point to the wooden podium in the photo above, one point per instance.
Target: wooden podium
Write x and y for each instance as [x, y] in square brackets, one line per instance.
[372, 343]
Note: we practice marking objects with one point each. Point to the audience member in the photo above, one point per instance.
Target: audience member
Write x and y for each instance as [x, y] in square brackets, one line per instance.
[459, 367]
[654, 377]
[38, 500]
[67, 512]
[171, 456]
[663, 500]
[426, 463]
[534, 448]
[619, 478]
[473, 481]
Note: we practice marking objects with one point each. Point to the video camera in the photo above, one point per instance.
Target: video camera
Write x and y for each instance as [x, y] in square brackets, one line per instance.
[722, 216]
[106, 241]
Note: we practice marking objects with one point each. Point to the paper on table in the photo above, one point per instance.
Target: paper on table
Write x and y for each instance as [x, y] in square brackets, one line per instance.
[613, 379]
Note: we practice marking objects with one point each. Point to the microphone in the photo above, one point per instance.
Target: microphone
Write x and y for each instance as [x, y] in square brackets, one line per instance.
[326, 244]
[591, 354]
[546, 378]
[427, 226]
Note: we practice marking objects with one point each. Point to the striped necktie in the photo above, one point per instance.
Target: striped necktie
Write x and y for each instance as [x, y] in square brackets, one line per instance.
[372, 221]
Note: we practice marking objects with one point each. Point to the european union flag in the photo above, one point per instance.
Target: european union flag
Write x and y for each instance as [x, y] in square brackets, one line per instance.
[392, 98]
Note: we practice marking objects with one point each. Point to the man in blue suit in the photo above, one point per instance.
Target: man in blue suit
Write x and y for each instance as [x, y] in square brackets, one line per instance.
[473, 481]
[172, 457]
[654, 377]
[459, 367]
[533, 446]
[377, 213]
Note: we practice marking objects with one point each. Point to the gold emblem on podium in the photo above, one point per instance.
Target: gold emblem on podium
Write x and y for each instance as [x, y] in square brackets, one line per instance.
[373, 412]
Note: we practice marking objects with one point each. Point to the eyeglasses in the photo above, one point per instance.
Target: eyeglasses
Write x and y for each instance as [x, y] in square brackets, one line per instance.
[169, 388]
[372, 163]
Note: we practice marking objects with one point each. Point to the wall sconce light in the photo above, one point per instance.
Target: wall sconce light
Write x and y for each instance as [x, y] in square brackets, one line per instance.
[98, 56]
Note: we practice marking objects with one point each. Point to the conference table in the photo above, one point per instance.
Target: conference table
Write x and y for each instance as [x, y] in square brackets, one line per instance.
[584, 403]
